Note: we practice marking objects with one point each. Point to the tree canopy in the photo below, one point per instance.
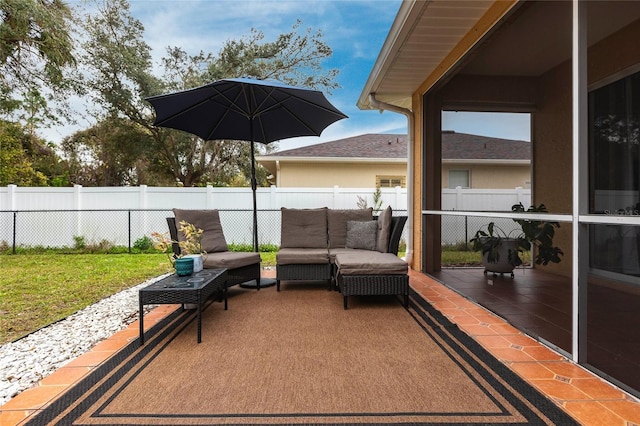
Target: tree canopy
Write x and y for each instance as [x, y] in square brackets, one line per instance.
[115, 73]
[36, 49]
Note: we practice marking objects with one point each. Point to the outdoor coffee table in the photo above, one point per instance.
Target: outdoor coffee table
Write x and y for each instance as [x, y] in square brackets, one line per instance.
[195, 288]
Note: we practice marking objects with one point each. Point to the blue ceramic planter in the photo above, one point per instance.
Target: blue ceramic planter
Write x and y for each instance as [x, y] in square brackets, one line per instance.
[184, 266]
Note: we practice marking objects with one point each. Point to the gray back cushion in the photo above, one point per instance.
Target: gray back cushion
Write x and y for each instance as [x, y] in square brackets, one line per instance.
[304, 228]
[213, 240]
[337, 223]
[384, 230]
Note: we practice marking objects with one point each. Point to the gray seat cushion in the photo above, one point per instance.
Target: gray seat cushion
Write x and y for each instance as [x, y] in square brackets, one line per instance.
[363, 262]
[230, 259]
[335, 251]
[304, 228]
[337, 224]
[209, 221]
[302, 256]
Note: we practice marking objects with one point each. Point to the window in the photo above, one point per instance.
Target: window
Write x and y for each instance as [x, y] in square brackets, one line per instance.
[614, 169]
[391, 181]
[458, 178]
[614, 127]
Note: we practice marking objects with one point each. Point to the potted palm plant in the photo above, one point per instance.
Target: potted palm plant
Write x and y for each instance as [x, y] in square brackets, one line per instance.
[502, 252]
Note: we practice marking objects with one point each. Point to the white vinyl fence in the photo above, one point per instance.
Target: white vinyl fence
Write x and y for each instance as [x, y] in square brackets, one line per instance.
[52, 217]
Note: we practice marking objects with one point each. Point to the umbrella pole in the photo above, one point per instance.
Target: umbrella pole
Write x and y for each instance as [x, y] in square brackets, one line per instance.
[261, 282]
[254, 185]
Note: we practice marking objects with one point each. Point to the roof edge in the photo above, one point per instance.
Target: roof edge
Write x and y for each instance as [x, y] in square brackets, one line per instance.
[406, 18]
[331, 159]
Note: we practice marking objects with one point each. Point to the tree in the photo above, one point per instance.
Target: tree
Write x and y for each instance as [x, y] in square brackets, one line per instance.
[111, 153]
[35, 51]
[121, 76]
[17, 150]
[294, 58]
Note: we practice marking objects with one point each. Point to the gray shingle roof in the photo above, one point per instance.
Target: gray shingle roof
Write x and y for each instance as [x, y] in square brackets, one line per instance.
[455, 146]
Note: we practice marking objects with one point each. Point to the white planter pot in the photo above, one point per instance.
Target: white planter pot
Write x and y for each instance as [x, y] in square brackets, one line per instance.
[502, 265]
[198, 263]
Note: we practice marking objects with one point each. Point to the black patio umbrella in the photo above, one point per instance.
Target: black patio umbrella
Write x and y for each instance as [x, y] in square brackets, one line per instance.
[246, 109]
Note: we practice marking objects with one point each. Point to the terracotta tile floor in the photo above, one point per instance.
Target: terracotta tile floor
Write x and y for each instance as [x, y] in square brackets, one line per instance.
[583, 395]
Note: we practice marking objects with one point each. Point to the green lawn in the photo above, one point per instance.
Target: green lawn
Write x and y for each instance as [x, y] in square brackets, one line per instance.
[38, 289]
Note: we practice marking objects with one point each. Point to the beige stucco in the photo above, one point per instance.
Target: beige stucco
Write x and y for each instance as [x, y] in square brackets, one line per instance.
[491, 176]
[359, 174]
[344, 174]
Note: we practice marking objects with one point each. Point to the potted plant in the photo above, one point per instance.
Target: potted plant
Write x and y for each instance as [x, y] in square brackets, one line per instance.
[502, 252]
[190, 258]
[191, 247]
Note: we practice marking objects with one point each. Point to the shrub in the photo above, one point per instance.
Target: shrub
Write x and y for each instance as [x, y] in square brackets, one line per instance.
[268, 248]
[240, 247]
[245, 247]
[143, 243]
[79, 242]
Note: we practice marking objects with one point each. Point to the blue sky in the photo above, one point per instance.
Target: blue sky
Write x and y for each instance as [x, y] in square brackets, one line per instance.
[354, 29]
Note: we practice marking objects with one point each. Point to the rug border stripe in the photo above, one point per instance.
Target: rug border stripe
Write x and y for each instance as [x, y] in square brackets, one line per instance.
[535, 397]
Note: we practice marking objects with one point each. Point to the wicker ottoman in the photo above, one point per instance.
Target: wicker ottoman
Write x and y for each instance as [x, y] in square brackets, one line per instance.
[369, 273]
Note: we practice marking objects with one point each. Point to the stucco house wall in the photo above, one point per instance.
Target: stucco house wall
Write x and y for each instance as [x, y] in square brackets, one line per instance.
[491, 176]
[361, 161]
[343, 174]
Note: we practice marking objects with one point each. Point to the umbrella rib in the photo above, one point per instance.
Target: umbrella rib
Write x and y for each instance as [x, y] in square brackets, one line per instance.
[232, 106]
[268, 94]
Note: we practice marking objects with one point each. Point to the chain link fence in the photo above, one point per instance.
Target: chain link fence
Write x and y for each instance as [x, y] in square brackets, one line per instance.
[64, 228]
[458, 230]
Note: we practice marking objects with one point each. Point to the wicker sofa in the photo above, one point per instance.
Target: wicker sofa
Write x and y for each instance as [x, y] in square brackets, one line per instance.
[241, 266]
[352, 250]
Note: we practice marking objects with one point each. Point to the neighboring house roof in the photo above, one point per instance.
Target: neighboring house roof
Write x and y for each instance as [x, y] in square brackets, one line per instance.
[362, 146]
[463, 146]
[390, 147]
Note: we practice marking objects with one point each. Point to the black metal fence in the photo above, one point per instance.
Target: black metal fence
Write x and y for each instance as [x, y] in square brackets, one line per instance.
[458, 230]
[64, 228]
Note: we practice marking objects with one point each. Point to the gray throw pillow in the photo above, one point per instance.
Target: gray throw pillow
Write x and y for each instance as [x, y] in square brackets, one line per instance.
[362, 235]
[337, 224]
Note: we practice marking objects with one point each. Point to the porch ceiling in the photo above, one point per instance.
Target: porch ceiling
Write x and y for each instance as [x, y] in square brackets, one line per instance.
[533, 38]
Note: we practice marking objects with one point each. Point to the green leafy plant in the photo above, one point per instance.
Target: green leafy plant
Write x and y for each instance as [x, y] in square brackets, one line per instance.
[79, 242]
[532, 234]
[144, 243]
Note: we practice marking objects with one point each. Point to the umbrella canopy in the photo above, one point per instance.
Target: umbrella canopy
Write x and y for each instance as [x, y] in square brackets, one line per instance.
[245, 109]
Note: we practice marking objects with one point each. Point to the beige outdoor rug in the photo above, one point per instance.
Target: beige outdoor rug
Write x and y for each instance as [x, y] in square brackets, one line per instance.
[296, 357]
